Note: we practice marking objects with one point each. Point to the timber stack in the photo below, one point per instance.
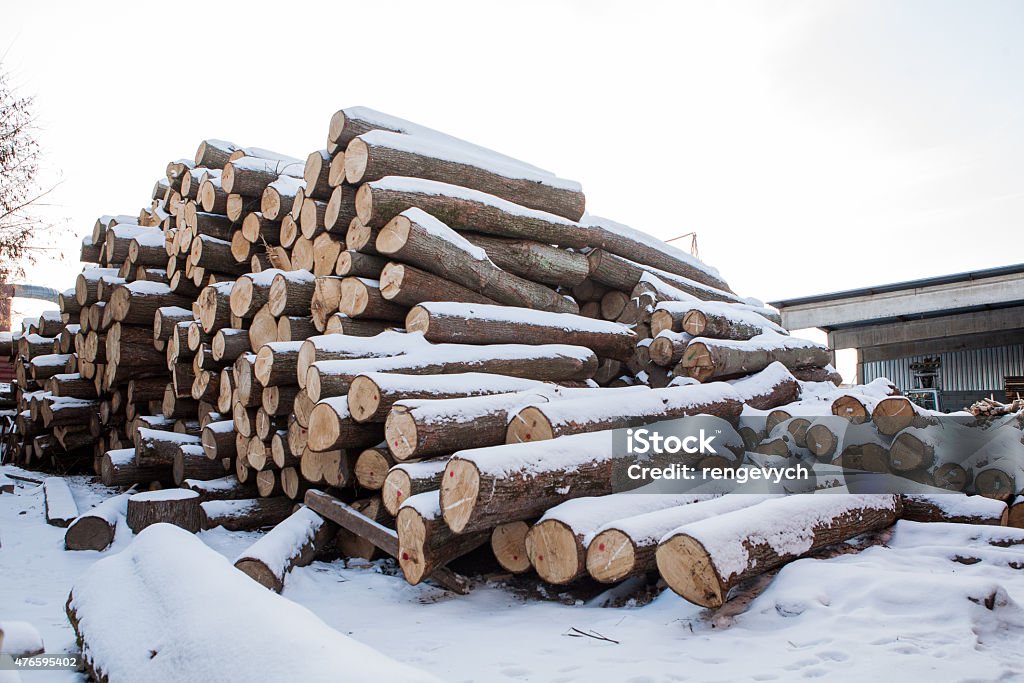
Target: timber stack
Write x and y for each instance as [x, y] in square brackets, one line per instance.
[429, 343]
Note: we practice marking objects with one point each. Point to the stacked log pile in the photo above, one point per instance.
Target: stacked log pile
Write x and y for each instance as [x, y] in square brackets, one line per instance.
[429, 343]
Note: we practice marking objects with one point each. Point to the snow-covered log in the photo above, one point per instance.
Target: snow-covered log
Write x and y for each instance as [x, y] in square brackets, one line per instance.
[417, 429]
[331, 426]
[425, 543]
[372, 395]
[550, 362]
[482, 324]
[722, 321]
[346, 346]
[187, 601]
[707, 359]
[95, 528]
[294, 542]
[592, 414]
[625, 547]
[953, 507]
[250, 176]
[225, 488]
[416, 237]
[241, 514]
[377, 154]
[156, 447]
[136, 303]
[703, 560]
[61, 508]
[557, 543]
[290, 293]
[405, 480]
[362, 298]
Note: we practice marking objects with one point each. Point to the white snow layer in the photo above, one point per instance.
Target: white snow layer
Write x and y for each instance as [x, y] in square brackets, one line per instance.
[168, 608]
[277, 547]
[515, 315]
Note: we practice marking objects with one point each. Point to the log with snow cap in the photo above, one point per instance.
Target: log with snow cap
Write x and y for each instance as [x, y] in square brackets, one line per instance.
[626, 546]
[136, 303]
[956, 508]
[423, 428]
[346, 347]
[290, 293]
[95, 528]
[483, 324]
[483, 487]
[191, 634]
[405, 480]
[669, 312]
[331, 426]
[372, 395]
[774, 386]
[249, 176]
[376, 154]
[703, 560]
[406, 285]
[560, 418]
[425, 542]
[295, 542]
[722, 321]
[550, 362]
[707, 359]
[557, 544]
[416, 237]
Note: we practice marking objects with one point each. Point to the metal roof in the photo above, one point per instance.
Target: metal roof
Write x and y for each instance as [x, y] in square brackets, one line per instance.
[900, 286]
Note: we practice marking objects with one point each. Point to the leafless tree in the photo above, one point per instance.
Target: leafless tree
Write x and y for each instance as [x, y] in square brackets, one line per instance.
[19, 187]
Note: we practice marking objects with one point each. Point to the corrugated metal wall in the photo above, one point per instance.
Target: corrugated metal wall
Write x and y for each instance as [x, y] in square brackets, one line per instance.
[973, 370]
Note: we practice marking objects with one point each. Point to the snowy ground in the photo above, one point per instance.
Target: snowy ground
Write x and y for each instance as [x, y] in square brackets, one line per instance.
[906, 609]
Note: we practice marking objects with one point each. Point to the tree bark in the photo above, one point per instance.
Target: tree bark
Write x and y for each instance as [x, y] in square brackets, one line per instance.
[245, 514]
[295, 542]
[405, 285]
[707, 359]
[179, 507]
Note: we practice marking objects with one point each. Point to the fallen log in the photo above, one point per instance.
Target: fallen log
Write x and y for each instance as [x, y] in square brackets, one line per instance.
[225, 488]
[61, 508]
[957, 508]
[703, 560]
[405, 285]
[245, 514]
[294, 542]
[95, 529]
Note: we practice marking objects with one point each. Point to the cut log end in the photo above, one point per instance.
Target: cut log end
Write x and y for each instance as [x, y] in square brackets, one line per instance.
[610, 556]
[396, 489]
[356, 156]
[460, 487]
[400, 434]
[687, 568]
[412, 534]
[508, 543]
[529, 424]
[418, 320]
[551, 546]
[697, 362]
[260, 573]
[694, 323]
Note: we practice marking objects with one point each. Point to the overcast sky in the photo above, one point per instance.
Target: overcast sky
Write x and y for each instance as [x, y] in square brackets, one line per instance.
[812, 146]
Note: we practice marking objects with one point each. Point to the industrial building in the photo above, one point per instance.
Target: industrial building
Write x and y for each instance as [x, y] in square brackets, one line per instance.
[945, 341]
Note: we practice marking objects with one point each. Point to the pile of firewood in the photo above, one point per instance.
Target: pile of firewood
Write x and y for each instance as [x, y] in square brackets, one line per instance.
[428, 343]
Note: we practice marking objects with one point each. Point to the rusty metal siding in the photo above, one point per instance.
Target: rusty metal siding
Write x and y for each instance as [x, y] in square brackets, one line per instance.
[972, 370]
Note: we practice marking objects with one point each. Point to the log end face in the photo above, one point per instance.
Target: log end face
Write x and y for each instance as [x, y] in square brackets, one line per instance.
[610, 556]
[89, 533]
[694, 323]
[411, 540]
[687, 569]
[400, 434]
[460, 488]
[356, 157]
[323, 428]
[364, 204]
[396, 489]
[551, 547]
[260, 573]
[363, 398]
[264, 364]
[394, 235]
[418, 320]
[697, 362]
[508, 543]
[529, 424]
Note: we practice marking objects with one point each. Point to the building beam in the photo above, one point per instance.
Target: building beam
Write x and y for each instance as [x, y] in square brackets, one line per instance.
[941, 345]
[992, 291]
[975, 322]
